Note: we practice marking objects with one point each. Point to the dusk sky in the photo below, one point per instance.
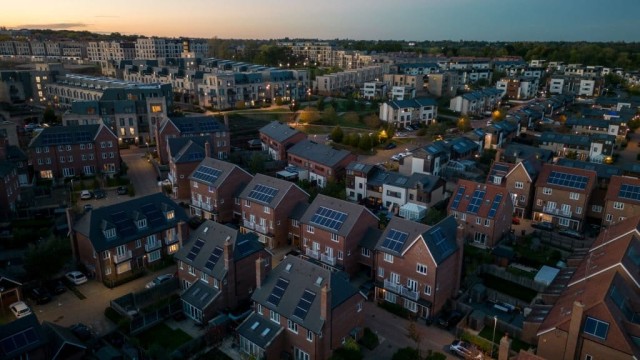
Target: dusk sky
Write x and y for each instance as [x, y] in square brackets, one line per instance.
[565, 20]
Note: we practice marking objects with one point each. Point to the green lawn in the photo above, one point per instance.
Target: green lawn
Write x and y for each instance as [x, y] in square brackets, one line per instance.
[509, 288]
[166, 337]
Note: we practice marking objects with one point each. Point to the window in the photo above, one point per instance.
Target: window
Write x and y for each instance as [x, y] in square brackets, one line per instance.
[267, 210]
[309, 335]
[388, 258]
[380, 272]
[427, 290]
[478, 221]
[463, 216]
[259, 309]
[365, 252]
[421, 269]
[596, 208]
[618, 205]
[578, 210]
[340, 255]
[192, 271]
[410, 305]
[310, 229]
[106, 255]
[487, 222]
[138, 243]
[609, 217]
[546, 191]
[519, 185]
[107, 270]
[274, 316]
[334, 237]
[539, 202]
[595, 327]
[295, 223]
[359, 307]
[588, 357]
[203, 277]
[563, 221]
[293, 327]
[574, 196]
[247, 203]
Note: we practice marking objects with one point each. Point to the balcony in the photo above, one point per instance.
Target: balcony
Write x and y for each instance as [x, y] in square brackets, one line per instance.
[118, 258]
[248, 224]
[202, 205]
[331, 260]
[149, 247]
[261, 229]
[171, 239]
[556, 211]
[401, 290]
[312, 253]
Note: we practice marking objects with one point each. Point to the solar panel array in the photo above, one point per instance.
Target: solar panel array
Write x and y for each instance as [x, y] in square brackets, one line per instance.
[278, 291]
[329, 218]
[263, 193]
[154, 215]
[186, 127]
[124, 225]
[494, 207]
[195, 249]
[213, 258]
[631, 192]
[19, 341]
[395, 240]
[568, 180]
[476, 201]
[500, 167]
[66, 138]
[440, 241]
[206, 174]
[304, 304]
[208, 126]
[456, 200]
[195, 156]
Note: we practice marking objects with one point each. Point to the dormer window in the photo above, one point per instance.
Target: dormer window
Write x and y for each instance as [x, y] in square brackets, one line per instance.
[142, 223]
[170, 215]
[110, 233]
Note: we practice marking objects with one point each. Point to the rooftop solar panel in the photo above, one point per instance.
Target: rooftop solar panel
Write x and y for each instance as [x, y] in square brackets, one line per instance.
[395, 240]
[494, 207]
[213, 258]
[329, 218]
[568, 180]
[278, 291]
[18, 341]
[631, 192]
[206, 174]
[263, 193]
[195, 249]
[456, 200]
[440, 241]
[476, 201]
[304, 304]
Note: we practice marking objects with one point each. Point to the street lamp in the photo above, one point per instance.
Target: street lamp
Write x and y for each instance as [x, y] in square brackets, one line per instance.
[493, 339]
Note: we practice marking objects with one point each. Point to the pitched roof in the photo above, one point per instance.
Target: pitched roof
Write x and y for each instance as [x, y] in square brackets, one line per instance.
[624, 189]
[187, 149]
[500, 170]
[319, 153]
[200, 295]
[412, 103]
[122, 217]
[60, 337]
[299, 276]
[324, 212]
[267, 190]
[604, 171]
[479, 199]
[66, 135]
[525, 151]
[213, 172]
[259, 331]
[567, 178]
[278, 131]
[198, 124]
[20, 336]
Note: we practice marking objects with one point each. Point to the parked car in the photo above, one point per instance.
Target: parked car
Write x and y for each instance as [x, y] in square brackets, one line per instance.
[465, 350]
[81, 331]
[20, 309]
[390, 146]
[515, 221]
[159, 280]
[40, 295]
[56, 287]
[543, 225]
[99, 194]
[449, 319]
[88, 207]
[122, 190]
[571, 233]
[85, 195]
[76, 277]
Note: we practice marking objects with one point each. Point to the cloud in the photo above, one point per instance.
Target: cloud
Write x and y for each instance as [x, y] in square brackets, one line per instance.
[55, 26]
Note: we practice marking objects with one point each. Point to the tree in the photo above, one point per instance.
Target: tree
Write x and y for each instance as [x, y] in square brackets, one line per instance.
[47, 258]
[353, 139]
[414, 335]
[309, 115]
[320, 103]
[372, 121]
[256, 163]
[365, 142]
[49, 116]
[351, 117]
[350, 105]
[329, 116]
[406, 354]
[434, 216]
[337, 134]
[498, 115]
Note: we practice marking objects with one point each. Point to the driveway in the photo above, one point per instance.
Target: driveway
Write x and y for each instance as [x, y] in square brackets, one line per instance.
[67, 309]
[141, 172]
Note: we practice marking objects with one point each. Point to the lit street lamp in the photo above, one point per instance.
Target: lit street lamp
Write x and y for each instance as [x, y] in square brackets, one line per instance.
[493, 339]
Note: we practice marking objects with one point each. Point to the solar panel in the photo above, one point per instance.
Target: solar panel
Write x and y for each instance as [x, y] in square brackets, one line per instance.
[494, 206]
[456, 200]
[263, 193]
[154, 215]
[395, 240]
[18, 341]
[278, 291]
[195, 249]
[194, 156]
[329, 218]
[213, 258]
[304, 304]
[476, 201]
[440, 241]
[206, 174]
[500, 167]
[631, 192]
[568, 180]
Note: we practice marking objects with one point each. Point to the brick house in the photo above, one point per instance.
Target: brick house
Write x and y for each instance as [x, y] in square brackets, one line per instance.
[519, 180]
[418, 266]
[216, 269]
[115, 241]
[331, 230]
[562, 195]
[217, 132]
[214, 184]
[24, 338]
[302, 311]
[277, 138]
[484, 211]
[66, 151]
[184, 156]
[319, 162]
[10, 184]
[265, 205]
[622, 200]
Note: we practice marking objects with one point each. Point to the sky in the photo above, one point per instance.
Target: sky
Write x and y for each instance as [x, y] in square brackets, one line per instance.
[411, 20]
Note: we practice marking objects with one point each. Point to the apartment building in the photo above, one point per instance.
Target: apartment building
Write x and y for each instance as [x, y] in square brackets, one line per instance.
[346, 81]
[111, 50]
[319, 163]
[418, 266]
[276, 138]
[374, 90]
[483, 212]
[66, 151]
[519, 88]
[301, 311]
[401, 113]
[443, 84]
[265, 204]
[613, 126]
[596, 148]
[406, 80]
[476, 102]
[562, 195]
[331, 230]
[576, 84]
[209, 126]
[117, 241]
[320, 53]
[622, 200]
[216, 270]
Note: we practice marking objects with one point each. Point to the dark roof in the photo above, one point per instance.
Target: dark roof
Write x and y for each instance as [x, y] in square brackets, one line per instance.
[352, 211]
[318, 153]
[410, 230]
[14, 153]
[441, 239]
[281, 188]
[187, 149]
[521, 151]
[303, 275]
[20, 336]
[412, 103]
[60, 337]
[299, 210]
[121, 217]
[259, 331]
[213, 172]
[278, 131]
[198, 124]
[6, 168]
[604, 171]
[370, 238]
[66, 135]
[200, 295]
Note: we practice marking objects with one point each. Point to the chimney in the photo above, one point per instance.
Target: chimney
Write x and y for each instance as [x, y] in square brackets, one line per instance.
[574, 330]
[498, 154]
[325, 303]
[207, 149]
[182, 231]
[227, 252]
[261, 272]
[505, 346]
[226, 121]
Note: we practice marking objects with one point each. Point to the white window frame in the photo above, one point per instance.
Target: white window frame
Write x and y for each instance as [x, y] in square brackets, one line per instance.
[547, 191]
[292, 326]
[310, 229]
[427, 290]
[618, 205]
[274, 316]
[421, 269]
[574, 196]
[309, 336]
[388, 257]
[518, 185]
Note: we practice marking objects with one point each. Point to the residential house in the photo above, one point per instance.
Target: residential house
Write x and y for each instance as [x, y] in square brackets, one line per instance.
[10, 289]
[23, 338]
[613, 126]
[594, 147]
[443, 84]
[265, 205]
[401, 113]
[277, 138]
[520, 87]
[119, 240]
[483, 211]
[331, 230]
[430, 159]
[214, 187]
[63, 344]
[476, 102]
[519, 180]
[216, 269]
[515, 153]
[67, 151]
[193, 126]
[411, 196]
[184, 156]
[500, 133]
[10, 184]
[374, 90]
[622, 200]
[563, 195]
[358, 175]
[302, 311]
[319, 163]
[418, 266]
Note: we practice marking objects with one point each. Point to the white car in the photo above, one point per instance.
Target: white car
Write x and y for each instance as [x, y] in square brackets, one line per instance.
[20, 309]
[76, 277]
[158, 280]
[465, 350]
[85, 195]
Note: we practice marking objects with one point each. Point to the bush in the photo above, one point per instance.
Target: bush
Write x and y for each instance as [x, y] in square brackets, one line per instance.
[406, 354]
[369, 339]
[395, 309]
